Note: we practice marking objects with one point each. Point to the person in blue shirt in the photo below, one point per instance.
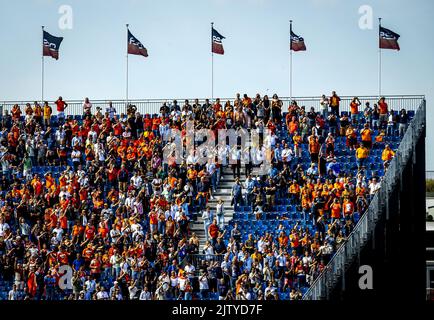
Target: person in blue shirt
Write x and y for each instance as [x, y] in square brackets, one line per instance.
[312, 171]
[173, 267]
[334, 166]
[237, 194]
[78, 262]
[50, 286]
[273, 171]
[278, 153]
[249, 185]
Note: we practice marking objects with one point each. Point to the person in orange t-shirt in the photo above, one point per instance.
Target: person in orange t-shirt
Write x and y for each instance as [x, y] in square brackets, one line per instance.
[387, 155]
[354, 109]
[366, 134]
[336, 209]
[383, 111]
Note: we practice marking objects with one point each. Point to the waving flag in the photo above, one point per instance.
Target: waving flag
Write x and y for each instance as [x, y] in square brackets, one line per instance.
[51, 45]
[388, 39]
[135, 46]
[217, 46]
[297, 43]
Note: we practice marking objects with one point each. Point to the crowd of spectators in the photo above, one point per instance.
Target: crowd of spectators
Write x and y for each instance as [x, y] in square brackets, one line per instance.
[95, 193]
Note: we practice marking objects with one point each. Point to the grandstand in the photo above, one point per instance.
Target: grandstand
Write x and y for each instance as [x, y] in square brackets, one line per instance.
[290, 245]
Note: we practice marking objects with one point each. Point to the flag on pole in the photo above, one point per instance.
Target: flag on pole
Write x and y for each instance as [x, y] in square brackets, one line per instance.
[297, 43]
[217, 46]
[51, 45]
[135, 46]
[388, 39]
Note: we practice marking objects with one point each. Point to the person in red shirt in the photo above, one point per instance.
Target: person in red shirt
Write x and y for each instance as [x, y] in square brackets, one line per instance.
[89, 232]
[153, 221]
[95, 266]
[61, 106]
[117, 128]
[383, 110]
[88, 254]
[62, 256]
[213, 232]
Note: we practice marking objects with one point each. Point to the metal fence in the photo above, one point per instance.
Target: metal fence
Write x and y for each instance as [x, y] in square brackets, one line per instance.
[198, 259]
[151, 106]
[326, 281]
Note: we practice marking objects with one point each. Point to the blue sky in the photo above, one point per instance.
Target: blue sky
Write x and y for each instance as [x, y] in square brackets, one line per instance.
[340, 55]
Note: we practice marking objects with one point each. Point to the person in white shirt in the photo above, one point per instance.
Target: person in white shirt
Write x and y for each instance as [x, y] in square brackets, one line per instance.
[87, 106]
[132, 289]
[111, 110]
[189, 270]
[59, 232]
[324, 102]
[14, 293]
[136, 180]
[3, 227]
[287, 154]
[374, 186]
[220, 212]
[92, 135]
[90, 286]
[204, 286]
[145, 294]
[206, 217]
[102, 294]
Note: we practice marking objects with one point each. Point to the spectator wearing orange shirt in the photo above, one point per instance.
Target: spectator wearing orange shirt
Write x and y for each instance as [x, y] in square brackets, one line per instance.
[336, 209]
[313, 148]
[366, 134]
[334, 103]
[387, 156]
[354, 110]
[361, 155]
[351, 135]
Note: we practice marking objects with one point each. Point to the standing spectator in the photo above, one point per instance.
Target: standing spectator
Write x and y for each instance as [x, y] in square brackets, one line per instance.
[324, 102]
[387, 155]
[354, 110]
[366, 134]
[61, 106]
[14, 294]
[383, 112]
[334, 103]
[220, 213]
[237, 194]
[368, 113]
[403, 121]
[362, 153]
[47, 111]
[87, 107]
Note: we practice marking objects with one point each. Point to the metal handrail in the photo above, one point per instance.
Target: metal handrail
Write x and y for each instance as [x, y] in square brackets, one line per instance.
[325, 282]
[409, 102]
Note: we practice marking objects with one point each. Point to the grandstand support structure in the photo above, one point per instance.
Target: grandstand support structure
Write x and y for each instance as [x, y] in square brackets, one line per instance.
[389, 236]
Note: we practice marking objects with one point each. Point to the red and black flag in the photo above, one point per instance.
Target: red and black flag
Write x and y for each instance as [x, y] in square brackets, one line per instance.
[135, 46]
[388, 39]
[217, 46]
[51, 45]
[297, 43]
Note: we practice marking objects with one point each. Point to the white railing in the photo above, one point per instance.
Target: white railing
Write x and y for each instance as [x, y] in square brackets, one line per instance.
[152, 106]
[324, 284]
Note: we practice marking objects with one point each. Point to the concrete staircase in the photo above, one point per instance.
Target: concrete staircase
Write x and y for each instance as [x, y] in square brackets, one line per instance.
[223, 192]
